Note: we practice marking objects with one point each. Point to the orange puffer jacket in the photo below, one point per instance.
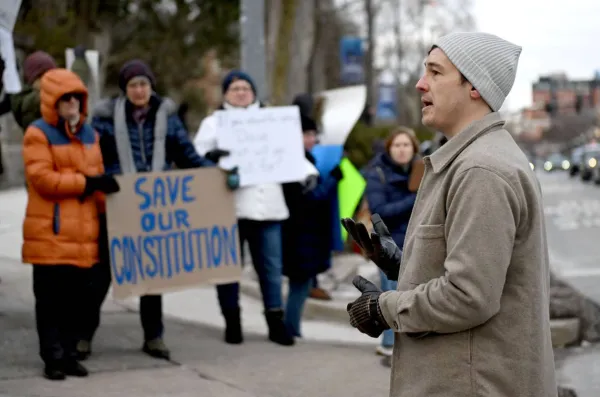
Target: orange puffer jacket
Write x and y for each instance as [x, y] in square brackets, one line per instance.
[61, 227]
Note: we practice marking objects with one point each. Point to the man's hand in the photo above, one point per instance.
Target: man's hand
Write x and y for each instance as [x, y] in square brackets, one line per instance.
[364, 312]
[379, 246]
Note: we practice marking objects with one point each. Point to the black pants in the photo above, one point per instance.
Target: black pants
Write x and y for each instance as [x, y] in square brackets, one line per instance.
[58, 291]
[150, 306]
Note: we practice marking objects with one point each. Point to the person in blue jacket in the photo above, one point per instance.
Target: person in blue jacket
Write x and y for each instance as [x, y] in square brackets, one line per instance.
[139, 132]
[306, 235]
[388, 195]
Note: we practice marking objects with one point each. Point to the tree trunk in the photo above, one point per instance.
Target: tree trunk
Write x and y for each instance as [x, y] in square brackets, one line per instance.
[310, 66]
[282, 51]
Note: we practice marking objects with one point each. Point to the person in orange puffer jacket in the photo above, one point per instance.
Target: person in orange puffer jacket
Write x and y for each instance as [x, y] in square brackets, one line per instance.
[65, 186]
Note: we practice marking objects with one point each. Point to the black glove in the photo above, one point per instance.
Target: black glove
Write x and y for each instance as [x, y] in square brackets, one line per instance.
[100, 183]
[365, 314]
[379, 247]
[216, 154]
[336, 173]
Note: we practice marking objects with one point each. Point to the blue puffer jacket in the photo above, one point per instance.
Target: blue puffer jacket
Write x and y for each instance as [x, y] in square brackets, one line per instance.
[179, 149]
[388, 195]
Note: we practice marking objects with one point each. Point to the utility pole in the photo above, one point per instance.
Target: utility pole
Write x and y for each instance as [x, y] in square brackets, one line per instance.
[252, 39]
[370, 58]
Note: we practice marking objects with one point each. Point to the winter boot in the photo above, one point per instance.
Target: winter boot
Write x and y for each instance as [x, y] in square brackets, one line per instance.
[156, 348]
[54, 371]
[74, 368]
[278, 332]
[233, 326]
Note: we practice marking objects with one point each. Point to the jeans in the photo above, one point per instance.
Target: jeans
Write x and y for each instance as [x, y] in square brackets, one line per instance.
[264, 241]
[297, 295]
[58, 291]
[387, 285]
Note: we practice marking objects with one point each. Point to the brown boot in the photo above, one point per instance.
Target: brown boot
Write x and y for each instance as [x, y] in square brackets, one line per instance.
[320, 294]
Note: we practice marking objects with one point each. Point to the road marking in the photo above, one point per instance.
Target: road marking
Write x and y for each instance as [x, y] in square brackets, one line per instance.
[574, 214]
[580, 272]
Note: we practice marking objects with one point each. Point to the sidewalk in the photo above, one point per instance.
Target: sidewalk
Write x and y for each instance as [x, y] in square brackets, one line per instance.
[201, 365]
[327, 362]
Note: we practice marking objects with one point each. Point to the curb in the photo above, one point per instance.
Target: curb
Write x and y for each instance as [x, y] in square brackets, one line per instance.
[330, 311]
[343, 269]
[565, 332]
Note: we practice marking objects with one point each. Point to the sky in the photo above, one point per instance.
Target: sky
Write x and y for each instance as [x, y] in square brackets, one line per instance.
[555, 36]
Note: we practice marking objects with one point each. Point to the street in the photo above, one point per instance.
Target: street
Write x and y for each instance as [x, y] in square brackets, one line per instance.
[573, 224]
[326, 363]
[573, 227]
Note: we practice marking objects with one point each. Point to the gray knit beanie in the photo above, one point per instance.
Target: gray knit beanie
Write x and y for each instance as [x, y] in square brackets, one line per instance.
[487, 61]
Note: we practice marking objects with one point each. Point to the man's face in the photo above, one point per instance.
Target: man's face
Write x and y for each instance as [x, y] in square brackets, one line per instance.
[443, 92]
[139, 91]
[239, 94]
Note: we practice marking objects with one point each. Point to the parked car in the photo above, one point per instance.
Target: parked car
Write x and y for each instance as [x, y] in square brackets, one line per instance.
[556, 162]
[576, 159]
[589, 163]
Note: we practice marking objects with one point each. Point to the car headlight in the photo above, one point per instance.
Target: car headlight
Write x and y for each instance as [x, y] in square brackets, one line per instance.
[566, 164]
[592, 162]
[547, 166]
[531, 165]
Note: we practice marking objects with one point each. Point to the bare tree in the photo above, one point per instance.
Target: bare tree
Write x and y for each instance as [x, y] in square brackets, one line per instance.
[415, 24]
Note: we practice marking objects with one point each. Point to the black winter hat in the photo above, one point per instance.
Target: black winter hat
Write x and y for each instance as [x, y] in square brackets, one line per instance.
[135, 68]
[308, 124]
[237, 75]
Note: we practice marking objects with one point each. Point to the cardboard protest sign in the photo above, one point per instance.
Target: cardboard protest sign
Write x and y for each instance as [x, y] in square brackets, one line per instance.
[265, 144]
[9, 10]
[172, 230]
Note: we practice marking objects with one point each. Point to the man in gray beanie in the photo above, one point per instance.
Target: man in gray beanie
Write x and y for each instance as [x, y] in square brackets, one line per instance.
[470, 314]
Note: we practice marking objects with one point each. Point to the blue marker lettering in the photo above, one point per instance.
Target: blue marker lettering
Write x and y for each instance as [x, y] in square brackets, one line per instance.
[215, 248]
[145, 204]
[173, 187]
[186, 189]
[159, 192]
[115, 245]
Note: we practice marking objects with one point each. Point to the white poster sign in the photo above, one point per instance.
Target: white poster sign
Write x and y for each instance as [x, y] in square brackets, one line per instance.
[93, 60]
[10, 78]
[265, 144]
[342, 109]
[9, 10]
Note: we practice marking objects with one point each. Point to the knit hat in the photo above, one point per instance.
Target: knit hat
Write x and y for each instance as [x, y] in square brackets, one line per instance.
[487, 61]
[307, 123]
[79, 51]
[36, 65]
[237, 75]
[135, 68]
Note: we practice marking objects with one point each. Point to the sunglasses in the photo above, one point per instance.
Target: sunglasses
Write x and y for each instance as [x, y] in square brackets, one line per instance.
[69, 96]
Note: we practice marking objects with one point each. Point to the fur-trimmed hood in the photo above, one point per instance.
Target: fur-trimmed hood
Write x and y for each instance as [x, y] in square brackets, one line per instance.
[106, 107]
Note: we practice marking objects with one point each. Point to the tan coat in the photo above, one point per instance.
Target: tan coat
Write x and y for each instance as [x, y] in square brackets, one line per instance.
[471, 312]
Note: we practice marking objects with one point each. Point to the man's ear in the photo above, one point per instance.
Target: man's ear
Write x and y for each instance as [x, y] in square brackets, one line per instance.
[474, 93]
